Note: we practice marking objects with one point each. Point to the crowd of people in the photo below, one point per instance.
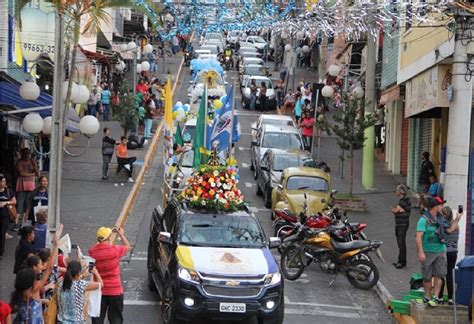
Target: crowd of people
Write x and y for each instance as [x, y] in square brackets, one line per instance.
[52, 287]
[437, 234]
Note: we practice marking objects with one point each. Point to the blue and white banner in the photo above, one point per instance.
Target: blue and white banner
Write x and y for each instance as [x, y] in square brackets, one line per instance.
[221, 126]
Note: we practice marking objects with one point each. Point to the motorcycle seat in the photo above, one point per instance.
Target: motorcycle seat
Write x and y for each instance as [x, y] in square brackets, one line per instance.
[348, 246]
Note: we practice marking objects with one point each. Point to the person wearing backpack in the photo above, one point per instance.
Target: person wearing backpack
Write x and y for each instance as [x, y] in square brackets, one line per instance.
[431, 249]
[451, 229]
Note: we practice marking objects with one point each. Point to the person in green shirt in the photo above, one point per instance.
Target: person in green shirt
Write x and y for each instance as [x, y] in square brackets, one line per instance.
[431, 250]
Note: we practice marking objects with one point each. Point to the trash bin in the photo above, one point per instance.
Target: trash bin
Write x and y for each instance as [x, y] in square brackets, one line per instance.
[465, 280]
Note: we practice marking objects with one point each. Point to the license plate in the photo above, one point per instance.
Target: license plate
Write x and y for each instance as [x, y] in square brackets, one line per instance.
[232, 308]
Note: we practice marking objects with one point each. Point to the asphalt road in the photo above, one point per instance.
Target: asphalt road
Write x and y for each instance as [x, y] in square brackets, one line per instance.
[308, 300]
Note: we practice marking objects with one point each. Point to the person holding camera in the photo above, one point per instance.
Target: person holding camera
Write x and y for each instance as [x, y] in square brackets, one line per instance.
[431, 249]
[107, 260]
[71, 292]
[451, 237]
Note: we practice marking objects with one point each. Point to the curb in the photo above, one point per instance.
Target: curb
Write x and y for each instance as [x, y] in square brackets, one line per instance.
[383, 293]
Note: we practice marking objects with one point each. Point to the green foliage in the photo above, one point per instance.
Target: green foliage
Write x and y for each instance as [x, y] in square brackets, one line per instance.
[349, 125]
[126, 113]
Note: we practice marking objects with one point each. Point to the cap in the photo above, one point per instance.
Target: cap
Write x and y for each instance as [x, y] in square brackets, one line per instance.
[431, 202]
[103, 233]
[440, 200]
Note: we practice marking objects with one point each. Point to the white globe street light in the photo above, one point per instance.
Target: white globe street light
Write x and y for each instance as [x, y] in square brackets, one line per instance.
[334, 70]
[131, 46]
[83, 94]
[305, 49]
[123, 47]
[327, 91]
[74, 91]
[30, 56]
[358, 92]
[288, 47]
[147, 49]
[33, 123]
[47, 124]
[29, 90]
[139, 68]
[89, 125]
[145, 66]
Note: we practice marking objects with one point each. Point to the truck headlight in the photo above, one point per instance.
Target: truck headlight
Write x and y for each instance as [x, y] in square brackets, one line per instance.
[188, 275]
[273, 278]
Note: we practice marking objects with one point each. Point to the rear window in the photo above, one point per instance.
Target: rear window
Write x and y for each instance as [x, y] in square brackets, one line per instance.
[307, 183]
[283, 161]
[258, 82]
[283, 141]
[277, 122]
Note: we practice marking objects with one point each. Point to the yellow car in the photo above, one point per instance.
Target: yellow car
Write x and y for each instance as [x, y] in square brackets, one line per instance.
[297, 181]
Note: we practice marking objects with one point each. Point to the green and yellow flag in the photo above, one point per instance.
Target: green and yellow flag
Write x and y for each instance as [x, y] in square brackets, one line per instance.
[199, 139]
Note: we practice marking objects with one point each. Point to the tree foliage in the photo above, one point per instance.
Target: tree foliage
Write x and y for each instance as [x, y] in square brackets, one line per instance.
[349, 125]
[126, 113]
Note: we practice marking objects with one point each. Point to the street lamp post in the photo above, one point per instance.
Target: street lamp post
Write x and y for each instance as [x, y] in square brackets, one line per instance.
[54, 190]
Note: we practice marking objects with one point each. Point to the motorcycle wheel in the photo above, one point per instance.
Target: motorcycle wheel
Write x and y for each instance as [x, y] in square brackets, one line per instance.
[291, 263]
[362, 274]
[278, 233]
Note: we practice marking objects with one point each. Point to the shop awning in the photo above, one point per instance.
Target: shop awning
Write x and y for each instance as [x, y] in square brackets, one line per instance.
[95, 56]
[389, 95]
[10, 96]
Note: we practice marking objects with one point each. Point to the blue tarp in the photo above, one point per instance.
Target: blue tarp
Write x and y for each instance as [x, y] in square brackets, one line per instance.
[10, 95]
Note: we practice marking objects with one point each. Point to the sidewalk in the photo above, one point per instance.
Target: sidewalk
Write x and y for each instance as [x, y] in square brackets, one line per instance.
[378, 216]
[87, 201]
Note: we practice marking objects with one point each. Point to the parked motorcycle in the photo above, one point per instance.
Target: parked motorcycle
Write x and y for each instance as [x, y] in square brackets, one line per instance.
[343, 231]
[348, 258]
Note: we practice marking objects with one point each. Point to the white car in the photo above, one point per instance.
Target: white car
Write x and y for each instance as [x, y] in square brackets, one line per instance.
[274, 119]
[272, 137]
[233, 37]
[198, 52]
[214, 49]
[214, 35]
[254, 69]
[249, 60]
[220, 45]
[256, 41]
[245, 88]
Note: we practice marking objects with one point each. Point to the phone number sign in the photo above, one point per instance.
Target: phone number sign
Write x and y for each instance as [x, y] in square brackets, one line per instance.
[37, 33]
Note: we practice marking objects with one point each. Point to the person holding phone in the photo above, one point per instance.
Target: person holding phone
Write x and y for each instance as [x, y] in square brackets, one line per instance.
[107, 260]
[71, 292]
[451, 229]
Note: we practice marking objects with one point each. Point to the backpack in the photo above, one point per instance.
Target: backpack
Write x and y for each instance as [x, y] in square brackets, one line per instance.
[440, 224]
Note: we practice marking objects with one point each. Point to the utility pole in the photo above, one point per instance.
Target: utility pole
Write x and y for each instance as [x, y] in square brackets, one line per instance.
[370, 101]
[57, 131]
[458, 143]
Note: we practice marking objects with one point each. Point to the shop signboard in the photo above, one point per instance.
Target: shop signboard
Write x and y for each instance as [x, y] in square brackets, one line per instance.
[428, 90]
[37, 32]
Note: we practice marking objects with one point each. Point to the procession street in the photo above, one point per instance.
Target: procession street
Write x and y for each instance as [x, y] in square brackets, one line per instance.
[310, 299]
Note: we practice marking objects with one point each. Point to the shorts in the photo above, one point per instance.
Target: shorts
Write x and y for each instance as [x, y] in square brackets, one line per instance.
[23, 200]
[435, 265]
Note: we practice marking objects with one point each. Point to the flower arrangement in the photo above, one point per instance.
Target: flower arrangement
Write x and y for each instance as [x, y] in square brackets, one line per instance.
[213, 187]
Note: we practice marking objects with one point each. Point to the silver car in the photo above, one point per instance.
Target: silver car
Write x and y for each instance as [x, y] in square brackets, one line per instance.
[272, 119]
[273, 137]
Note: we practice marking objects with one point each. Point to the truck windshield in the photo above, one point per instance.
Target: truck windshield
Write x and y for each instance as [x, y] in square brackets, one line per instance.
[221, 231]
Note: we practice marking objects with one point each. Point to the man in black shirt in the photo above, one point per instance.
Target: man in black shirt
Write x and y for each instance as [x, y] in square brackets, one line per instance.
[402, 221]
[426, 171]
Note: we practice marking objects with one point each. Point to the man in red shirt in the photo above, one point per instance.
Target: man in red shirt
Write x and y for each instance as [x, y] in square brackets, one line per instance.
[107, 258]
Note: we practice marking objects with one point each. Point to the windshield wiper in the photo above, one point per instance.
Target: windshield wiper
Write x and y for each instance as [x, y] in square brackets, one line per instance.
[302, 188]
